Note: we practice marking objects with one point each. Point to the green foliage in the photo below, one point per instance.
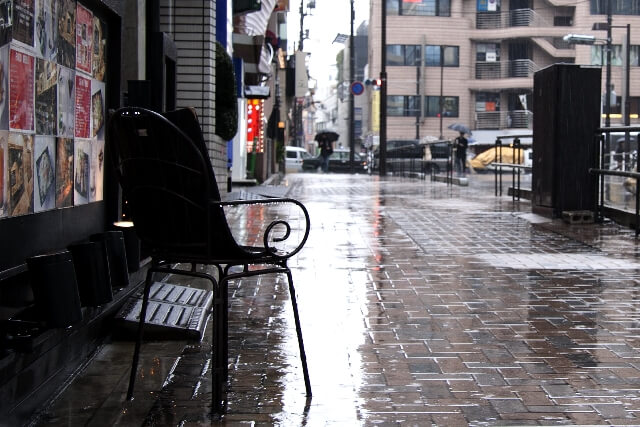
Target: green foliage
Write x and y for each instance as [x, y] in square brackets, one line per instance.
[226, 95]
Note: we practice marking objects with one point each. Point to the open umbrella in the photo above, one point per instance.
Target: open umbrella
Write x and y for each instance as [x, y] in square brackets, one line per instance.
[326, 134]
[459, 127]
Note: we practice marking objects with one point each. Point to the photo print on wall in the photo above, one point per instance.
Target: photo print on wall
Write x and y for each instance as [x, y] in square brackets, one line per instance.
[99, 61]
[64, 172]
[21, 88]
[23, 21]
[84, 38]
[97, 171]
[46, 97]
[66, 101]
[44, 197]
[46, 29]
[20, 173]
[4, 87]
[82, 163]
[66, 33]
[3, 173]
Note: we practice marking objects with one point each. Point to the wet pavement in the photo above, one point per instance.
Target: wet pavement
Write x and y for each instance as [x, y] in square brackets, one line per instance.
[421, 304]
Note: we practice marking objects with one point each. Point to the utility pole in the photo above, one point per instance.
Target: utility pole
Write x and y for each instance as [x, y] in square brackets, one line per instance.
[382, 169]
[352, 142]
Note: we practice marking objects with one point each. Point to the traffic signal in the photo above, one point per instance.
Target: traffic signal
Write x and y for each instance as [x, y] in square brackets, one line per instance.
[376, 83]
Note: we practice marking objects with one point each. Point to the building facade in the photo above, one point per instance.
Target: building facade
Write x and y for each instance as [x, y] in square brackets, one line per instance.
[473, 61]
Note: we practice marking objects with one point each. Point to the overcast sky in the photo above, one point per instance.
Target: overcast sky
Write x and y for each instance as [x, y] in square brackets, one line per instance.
[329, 18]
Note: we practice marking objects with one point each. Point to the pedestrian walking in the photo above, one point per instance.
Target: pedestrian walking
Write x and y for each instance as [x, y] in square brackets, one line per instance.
[461, 143]
[326, 149]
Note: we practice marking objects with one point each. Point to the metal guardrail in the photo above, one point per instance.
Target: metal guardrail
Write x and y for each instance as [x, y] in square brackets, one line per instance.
[603, 169]
[517, 145]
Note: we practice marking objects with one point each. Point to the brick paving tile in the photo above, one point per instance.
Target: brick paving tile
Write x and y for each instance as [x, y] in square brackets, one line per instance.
[421, 304]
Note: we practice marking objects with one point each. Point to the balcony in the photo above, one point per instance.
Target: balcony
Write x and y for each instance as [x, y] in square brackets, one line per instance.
[516, 119]
[511, 18]
[505, 69]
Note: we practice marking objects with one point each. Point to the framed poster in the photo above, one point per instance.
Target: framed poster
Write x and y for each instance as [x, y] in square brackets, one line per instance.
[82, 163]
[45, 173]
[66, 37]
[20, 163]
[46, 29]
[96, 188]
[24, 21]
[46, 106]
[3, 173]
[99, 61]
[66, 102]
[21, 88]
[97, 110]
[84, 39]
[4, 87]
[83, 107]
[64, 172]
[6, 21]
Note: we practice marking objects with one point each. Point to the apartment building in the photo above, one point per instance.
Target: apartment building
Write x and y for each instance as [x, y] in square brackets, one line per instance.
[473, 61]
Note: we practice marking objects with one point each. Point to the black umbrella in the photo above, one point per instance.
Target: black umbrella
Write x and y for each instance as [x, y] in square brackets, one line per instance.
[329, 135]
[459, 127]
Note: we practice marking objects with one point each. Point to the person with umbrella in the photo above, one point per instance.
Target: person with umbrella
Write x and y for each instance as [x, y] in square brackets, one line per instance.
[325, 143]
[461, 143]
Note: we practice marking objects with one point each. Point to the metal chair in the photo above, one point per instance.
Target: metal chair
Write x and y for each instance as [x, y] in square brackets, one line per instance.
[162, 165]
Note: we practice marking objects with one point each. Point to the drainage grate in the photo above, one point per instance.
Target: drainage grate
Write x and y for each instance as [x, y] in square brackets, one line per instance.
[174, 312]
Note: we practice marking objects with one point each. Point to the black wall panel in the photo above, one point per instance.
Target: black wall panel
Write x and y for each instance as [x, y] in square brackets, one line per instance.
[566, 115]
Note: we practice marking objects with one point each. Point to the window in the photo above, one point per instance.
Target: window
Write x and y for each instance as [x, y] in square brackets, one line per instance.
[599, 55]
[562, 21]
[403, 55]
[403, 106]
[450, 55]
[618, 7]
[487, 52]
[419, 7]
[449, 106]
[487, 102]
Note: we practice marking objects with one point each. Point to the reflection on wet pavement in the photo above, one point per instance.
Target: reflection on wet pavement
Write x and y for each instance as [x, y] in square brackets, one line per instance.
[421, 304]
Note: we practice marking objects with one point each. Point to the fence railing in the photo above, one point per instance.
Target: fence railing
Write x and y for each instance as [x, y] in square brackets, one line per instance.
[510, 18]
[518, 119]
[486, 70]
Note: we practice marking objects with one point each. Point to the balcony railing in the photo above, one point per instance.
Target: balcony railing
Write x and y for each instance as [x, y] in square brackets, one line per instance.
[515, 119]
[505, 69]
[510, 18]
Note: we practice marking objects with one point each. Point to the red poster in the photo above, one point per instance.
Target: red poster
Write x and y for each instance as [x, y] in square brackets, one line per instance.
[83, 107]
[21, 90]
[84, 38]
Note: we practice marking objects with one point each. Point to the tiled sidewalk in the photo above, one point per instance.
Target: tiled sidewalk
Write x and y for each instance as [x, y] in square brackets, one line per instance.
[421, 304]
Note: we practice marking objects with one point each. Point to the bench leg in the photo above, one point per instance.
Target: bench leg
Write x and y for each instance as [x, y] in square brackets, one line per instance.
[141, 322]
[303, 355]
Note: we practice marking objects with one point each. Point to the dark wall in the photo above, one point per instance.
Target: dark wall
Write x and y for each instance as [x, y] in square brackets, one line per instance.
[566, 111]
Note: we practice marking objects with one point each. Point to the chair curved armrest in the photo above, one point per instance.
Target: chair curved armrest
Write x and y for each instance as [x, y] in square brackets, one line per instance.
[277, 224]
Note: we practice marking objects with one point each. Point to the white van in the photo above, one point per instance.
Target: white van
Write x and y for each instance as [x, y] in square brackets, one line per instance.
[294, 157]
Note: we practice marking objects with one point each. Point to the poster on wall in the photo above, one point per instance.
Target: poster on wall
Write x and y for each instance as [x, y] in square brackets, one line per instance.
[84, 38]
[24, 21]
[3, 173]
[6, 21]
[66, 33]
[45, 173]
[21, 88]
[83, 107]
[20, 163]
[4, 88]
[64, 172]
[46, 29]
[97, 110]
[99, 61]
[46, 97]
[97, 171]
[82, 163]
[66, 101]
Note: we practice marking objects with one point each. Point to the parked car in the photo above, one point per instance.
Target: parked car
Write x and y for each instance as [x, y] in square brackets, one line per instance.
[294, 157]
[338, 162]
